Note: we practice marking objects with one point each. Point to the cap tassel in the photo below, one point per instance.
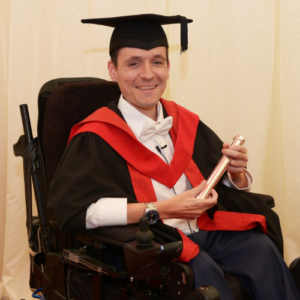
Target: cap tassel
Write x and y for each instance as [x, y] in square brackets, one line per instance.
[183, 34]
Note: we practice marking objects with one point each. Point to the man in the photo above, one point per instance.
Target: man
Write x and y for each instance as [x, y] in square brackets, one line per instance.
[148, 156]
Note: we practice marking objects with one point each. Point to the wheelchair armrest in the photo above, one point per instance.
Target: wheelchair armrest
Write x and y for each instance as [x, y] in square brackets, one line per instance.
[144, 258]
[116, 235]
[269, 200]
[151, 261]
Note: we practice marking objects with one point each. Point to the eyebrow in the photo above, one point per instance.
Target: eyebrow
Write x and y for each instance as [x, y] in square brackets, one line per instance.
[132, 58]
[160, 56]
[138, 57]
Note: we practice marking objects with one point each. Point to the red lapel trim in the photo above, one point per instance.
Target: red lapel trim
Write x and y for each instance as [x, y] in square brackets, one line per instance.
[232, 221]
[116, 133]
[193, 174]
[142, 186]
[189, 248]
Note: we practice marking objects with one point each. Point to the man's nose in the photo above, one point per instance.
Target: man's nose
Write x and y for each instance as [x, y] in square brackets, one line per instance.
[147, 72]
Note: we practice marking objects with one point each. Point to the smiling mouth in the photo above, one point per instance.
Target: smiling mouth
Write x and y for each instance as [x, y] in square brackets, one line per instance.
[147, 87]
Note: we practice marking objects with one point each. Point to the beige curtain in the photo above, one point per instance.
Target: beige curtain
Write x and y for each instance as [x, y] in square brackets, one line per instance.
[240, 74]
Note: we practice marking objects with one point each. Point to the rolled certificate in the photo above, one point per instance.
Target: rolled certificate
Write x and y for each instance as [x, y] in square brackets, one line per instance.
[219, 169]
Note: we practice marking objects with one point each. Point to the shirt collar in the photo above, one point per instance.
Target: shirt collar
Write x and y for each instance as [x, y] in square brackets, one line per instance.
[134, 118]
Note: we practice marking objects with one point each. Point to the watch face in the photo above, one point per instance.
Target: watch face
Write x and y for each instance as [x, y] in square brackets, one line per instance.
[152, 216]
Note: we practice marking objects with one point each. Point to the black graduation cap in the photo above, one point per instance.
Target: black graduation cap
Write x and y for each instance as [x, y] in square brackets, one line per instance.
[142, 31]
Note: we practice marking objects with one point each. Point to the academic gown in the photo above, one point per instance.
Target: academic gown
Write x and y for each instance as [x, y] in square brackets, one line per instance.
[91, 169]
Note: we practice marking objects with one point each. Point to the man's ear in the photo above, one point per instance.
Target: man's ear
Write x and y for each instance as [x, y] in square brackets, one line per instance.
[112, 70]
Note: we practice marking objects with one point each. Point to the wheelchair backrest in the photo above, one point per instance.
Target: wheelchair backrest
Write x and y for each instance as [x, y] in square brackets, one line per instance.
[62, 104]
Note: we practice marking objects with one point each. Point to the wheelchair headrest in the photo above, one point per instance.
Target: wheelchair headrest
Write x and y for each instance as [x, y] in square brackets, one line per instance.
[66, 106]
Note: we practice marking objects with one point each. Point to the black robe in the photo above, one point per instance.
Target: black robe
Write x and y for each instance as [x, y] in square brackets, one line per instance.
[91, 169]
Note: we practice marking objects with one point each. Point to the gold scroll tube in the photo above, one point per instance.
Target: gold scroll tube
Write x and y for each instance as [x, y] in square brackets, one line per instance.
[219, 170]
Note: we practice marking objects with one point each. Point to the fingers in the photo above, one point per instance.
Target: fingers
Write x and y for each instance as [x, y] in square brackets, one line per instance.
[237, 164]
[238, 158]
[213, 194]
[212, 198]
[198, 189]
[205, 204]
[199, 207]
[202, 185]
[235, 151]
[186, 206]
[226, 145]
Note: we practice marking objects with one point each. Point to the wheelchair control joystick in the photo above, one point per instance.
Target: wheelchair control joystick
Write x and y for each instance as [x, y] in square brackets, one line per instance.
[144, 237]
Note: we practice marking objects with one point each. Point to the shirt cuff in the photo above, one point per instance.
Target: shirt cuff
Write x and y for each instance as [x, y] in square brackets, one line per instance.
[107, 212]
[228, 181]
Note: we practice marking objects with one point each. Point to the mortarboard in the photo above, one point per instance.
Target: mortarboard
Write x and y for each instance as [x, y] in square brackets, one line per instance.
[141, 31]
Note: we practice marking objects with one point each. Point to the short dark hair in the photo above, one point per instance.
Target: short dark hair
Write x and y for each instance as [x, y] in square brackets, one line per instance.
[114, 56]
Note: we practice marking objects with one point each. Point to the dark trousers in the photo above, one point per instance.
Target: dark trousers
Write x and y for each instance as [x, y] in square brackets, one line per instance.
[249, 255]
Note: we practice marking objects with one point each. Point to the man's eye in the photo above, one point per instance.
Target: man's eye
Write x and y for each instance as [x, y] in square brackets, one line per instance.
[157, 62]
[132, 64]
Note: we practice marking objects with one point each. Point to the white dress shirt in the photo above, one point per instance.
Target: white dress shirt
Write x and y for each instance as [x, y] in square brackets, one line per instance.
[113, 211]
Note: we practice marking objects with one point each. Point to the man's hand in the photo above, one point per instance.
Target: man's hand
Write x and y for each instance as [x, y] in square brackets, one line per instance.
[238, 161]
[186, 206]
[238, 158]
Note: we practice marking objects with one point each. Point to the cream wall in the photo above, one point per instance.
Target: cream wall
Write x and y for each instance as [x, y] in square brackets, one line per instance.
[240, 74]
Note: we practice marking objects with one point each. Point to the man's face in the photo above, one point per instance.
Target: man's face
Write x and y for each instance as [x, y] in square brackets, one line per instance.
[142, 76]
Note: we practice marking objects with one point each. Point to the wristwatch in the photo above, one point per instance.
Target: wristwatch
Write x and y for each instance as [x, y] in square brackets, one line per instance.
[151, 213]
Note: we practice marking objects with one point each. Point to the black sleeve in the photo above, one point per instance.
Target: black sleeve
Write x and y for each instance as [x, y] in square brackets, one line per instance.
[207, 149]
[83, 176]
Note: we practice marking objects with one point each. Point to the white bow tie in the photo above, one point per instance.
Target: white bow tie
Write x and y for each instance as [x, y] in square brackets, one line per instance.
[150, 129]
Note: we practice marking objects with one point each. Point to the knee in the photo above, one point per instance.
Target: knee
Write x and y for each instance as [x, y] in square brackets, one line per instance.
[263, 244]
[203, 262]
[262, 251]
